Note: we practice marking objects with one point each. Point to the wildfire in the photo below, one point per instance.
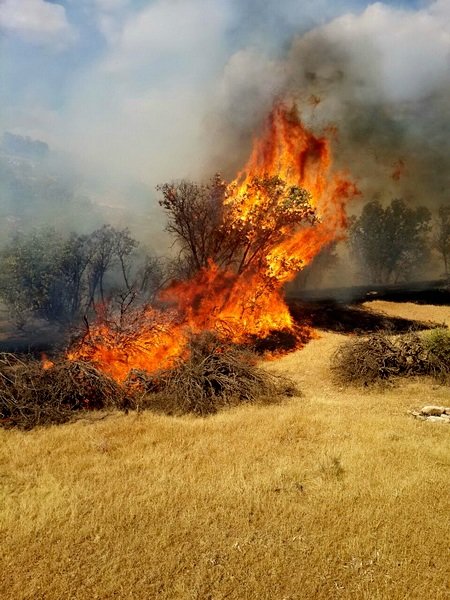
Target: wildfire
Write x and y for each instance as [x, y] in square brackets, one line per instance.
[241, 303]
[46, 362]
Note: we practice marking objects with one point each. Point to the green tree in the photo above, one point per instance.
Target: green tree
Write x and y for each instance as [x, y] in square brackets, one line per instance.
[31, 281]
[60, 278]
[442, 236]
[390, 244]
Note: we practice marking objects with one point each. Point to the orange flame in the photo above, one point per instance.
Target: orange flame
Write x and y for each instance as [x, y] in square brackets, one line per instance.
[46, 362]
[238, 305]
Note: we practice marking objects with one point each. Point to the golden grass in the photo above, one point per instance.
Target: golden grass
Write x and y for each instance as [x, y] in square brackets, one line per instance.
[338, 494]
[409, 310]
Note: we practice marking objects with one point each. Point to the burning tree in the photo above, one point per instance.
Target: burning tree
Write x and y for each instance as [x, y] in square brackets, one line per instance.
[239, 244]
[207, 223]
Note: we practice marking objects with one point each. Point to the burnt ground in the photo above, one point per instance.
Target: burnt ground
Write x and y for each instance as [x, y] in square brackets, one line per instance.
[330, 315]
[435, 293]
[340, 309]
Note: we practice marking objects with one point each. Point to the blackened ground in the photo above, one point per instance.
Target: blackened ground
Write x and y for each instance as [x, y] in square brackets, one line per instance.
[341, 310]
[330, 315]
[436, 293]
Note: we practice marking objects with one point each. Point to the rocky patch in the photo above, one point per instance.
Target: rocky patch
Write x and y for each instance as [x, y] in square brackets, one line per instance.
[435, 414]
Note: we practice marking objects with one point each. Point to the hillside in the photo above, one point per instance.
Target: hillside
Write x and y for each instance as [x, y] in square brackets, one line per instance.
[335, 494]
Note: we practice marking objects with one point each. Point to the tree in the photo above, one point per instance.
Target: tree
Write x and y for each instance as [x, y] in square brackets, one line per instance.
[442, 237]
[390, 243]
[195, 215]
[235, 229]
[31, 279]
[61, 278]
[107, 247]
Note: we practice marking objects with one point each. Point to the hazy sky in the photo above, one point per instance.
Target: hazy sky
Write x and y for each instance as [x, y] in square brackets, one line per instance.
[132, 86]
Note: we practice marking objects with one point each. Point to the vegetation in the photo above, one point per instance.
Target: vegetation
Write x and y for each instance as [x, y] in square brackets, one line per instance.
[60, 278]
[442, 237]
[390, 244]
[206, 228]
[437, 347]
[214, 375]
[323, 497]
[381, 357]
[31, 395]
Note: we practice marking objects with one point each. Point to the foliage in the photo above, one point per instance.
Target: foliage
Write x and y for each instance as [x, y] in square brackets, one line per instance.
[61, 278]
[390, 243]
[206, 222]
[437, 346]
[442, 237]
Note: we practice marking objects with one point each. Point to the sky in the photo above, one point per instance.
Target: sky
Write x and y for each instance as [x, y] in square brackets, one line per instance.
[155, 90]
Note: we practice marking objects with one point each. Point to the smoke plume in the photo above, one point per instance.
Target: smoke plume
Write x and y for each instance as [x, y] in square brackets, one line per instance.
[381, 78]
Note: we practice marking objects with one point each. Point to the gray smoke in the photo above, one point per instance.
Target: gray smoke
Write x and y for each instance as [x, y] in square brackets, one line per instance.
[381, 77]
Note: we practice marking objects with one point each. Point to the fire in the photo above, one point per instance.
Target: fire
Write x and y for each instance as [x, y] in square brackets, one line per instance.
[46, 362]
[284, 227]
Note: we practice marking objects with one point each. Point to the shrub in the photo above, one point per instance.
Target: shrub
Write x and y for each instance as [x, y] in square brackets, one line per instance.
[437, 346]
[366, 361]
[380, 357]
[213, 376]
[31, 395]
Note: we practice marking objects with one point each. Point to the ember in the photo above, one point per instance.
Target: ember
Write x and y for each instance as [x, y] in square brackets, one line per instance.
[282, 208]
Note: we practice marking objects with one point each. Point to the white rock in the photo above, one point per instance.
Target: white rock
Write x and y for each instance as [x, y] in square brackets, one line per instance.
[432, 411]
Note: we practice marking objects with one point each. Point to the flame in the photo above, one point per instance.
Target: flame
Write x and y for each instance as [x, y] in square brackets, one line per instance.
[238, 305]
[46, 362]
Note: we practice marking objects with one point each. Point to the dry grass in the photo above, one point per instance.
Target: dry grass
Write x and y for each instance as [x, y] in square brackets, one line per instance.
[338, 494]
[410, 310]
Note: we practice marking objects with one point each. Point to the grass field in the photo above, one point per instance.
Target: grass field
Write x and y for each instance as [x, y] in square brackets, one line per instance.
[335, 494]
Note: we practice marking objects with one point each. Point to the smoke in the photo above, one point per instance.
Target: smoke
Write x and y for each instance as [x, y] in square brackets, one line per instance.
[381, 77]
[150, 92]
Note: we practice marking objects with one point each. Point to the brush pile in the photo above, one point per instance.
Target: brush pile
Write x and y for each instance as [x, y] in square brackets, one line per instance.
[215, 375]
[31, 395]
[381, 357]
[212, 375]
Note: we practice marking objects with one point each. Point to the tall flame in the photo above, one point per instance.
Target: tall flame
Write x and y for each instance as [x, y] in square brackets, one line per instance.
[238, 305]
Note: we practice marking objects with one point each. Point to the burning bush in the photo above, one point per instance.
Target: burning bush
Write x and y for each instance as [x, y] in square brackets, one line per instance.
[214, 376]
[239, 244]
[378, 358]
[32, 395]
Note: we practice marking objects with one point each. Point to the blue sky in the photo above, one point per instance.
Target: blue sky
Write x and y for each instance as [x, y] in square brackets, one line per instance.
[130, 84]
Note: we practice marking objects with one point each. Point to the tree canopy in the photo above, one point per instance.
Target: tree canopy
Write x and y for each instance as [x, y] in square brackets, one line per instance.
[390, 244]
[207, 225]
